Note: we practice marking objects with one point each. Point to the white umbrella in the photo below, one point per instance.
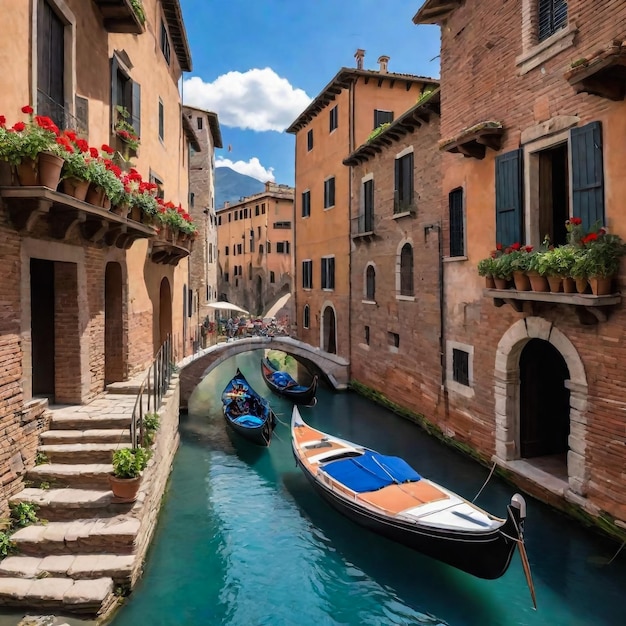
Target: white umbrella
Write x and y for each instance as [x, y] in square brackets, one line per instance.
[227, 306]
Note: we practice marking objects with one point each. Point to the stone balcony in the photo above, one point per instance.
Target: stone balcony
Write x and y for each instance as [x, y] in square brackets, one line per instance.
[119, 16]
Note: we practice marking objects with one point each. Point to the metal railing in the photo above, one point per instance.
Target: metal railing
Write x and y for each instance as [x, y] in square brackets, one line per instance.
[363, 223]
[152, 390]
[58, 113]
[404, 203]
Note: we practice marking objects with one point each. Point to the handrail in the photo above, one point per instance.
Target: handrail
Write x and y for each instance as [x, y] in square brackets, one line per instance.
[154, 387]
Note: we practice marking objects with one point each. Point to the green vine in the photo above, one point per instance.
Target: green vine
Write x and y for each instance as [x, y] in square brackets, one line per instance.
[139, 10]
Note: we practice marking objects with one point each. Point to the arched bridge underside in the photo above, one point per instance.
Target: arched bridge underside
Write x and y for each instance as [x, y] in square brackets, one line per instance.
[332, 368]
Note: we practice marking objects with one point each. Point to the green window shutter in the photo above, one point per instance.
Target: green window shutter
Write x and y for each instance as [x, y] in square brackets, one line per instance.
[587, 174]
[136, 104]
[509, 198]
[114, 95]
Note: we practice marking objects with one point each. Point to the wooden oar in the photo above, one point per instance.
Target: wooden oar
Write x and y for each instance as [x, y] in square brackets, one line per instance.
[526, 566]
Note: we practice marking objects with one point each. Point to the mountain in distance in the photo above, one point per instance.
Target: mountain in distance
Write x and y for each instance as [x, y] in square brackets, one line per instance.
[231, 186]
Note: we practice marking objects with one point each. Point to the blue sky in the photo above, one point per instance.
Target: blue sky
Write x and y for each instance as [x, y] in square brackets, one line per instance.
[258, 63]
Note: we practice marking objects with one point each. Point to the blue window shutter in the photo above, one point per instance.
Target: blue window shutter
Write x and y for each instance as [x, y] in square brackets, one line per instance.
[136, 105]
[509, 198]
[587, 174]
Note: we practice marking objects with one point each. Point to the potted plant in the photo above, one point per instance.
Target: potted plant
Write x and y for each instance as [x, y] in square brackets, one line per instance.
[557, 265]
[521, 258]
[127, 467]
[485, 268]
[502, 269]
[600, 260]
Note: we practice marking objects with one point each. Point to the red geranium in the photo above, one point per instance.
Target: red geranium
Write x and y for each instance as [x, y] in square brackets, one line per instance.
[27, 109]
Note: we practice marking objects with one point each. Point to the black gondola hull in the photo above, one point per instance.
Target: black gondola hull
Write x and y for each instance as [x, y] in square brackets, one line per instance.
[485, 555]
[304, 397]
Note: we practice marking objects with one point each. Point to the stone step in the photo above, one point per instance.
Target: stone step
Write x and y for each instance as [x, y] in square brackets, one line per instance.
[83, 421]
[56, 505]
[99, 435]
[73, 453]
[75, 566]
[81, 536]
[78, 476]
[61, 595]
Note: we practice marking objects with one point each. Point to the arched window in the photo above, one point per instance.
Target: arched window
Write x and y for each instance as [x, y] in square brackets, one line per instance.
[307, 316]
[406, 270]
[370, 283]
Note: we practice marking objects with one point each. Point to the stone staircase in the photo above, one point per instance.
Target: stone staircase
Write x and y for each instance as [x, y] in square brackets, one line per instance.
[78, 560]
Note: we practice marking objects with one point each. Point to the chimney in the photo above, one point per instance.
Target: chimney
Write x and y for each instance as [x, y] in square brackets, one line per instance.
[383, 60]
[358, 55]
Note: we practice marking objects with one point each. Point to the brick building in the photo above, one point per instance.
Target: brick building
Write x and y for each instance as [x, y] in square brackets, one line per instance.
[533, 121]
[87, 295]
[255, 248]
[340, 118]
[395, 306]
[203, 258]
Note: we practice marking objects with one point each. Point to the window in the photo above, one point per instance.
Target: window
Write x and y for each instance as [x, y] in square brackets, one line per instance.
[263, 208]
[161, 120]
[165, 42]
[328, 272]
[249, 271]
[406, 270]
[256, 209]
[393, 339]
[382, 117]
[219, 220]
[282, 247]
[226, 251]
[307, 274]
[240, 214]
[239, 248]
[269, 246]
[199, 122]
[457, 232]
[272, 277]
[366, 219]
[125, 93]
[236, 216]
[235, 270]
[236, 282]
[370, 283]
[260, 248]
[210, 253]
[329, 193]
[259, 230]
[460, 367]
[230, 216]
[403, 190]
[225, 277]
[158, 181]
[309, 140]
[367, 335]
[282, 225]
[552, 16]
[334, 119]
[306, 203]
[306, 316]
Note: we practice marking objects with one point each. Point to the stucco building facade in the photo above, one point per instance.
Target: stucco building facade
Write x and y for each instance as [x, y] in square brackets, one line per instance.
[88, 296]
[342, 116]
[533, 123]
[256, 248]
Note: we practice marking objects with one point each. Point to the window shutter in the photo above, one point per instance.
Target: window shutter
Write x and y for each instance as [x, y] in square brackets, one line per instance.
[114, 95]
[587, 174]
[509, 198]
[136, 104]
[457, 239]
[331, 271]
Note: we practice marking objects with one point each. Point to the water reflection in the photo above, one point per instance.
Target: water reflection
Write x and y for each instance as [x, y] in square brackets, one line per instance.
[244, 540]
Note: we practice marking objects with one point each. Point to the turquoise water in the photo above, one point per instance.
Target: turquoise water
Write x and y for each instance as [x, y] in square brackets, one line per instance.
[243, 540]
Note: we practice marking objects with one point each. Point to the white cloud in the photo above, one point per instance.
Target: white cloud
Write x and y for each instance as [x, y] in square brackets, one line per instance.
[258, 99]
[252, 168]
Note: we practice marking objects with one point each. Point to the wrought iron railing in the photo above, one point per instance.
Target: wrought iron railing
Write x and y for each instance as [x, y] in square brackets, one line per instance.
[152, 390]
[363, 223]
[58, 113]
[403, 203]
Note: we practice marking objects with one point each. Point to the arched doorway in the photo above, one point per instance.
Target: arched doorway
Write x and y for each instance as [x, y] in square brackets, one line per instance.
[113, 325]
[544, 401]
[329, 331]
[165, 312]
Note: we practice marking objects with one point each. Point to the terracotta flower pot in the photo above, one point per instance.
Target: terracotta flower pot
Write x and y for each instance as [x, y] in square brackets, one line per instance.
[501, 283]
[521, 280]
[581, 285]
[556, 284]
[50, 166]
[27, 173]
[601, 285]
[75, 187]
[95, 195]
[135, 213]
[489, 282]
[124, 489]
[569, 284]
[538, 282]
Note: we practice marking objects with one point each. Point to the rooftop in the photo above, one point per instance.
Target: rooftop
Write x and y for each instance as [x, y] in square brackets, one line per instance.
[178, 34]
[214, 123]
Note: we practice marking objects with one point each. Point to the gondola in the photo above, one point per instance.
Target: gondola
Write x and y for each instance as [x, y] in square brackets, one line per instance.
[246, 412]
[387, 496]
[284, 385]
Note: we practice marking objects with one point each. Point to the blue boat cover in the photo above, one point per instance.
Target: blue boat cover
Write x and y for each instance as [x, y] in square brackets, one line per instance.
[248, 421]
[371, 471]
[282, 379]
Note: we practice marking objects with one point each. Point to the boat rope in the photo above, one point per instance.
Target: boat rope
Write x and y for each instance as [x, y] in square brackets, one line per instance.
[618, 551]
[493, 467]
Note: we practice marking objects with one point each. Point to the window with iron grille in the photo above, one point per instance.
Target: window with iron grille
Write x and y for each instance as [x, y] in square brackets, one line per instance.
[370, 283]
[382, 117]
[306, 203]
[406, 270]
[367, 335]
[165, 42]
[334, 119]
[309, 140]
[328, 272]
[307, 274]
[403, 190]
[306, 316]
[460, 366]
[329, 193]
[457, 228]
[552, 17]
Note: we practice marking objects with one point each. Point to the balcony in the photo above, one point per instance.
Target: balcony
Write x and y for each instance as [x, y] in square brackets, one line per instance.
[602, 75]
[403, 205]
[63, 216]
[473, 142]
[119, 16]
[590, 309]
[167, 252]
[362, 227]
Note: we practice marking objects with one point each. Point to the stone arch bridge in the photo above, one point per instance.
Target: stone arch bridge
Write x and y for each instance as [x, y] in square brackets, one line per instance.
[332, 368]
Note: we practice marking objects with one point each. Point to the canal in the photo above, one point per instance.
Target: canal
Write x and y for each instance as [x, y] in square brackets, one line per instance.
[243, 540]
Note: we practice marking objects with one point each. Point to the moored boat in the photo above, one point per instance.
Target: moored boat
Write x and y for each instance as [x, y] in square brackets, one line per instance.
[386, 495]
[246, 412]
[283, 384]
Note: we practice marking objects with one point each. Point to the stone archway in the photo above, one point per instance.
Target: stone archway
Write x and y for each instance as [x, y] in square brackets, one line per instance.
[507, 395]
[329, 329]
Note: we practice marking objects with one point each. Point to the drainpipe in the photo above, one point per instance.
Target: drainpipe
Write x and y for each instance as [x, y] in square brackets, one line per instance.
[442, 351]
[352, 98]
